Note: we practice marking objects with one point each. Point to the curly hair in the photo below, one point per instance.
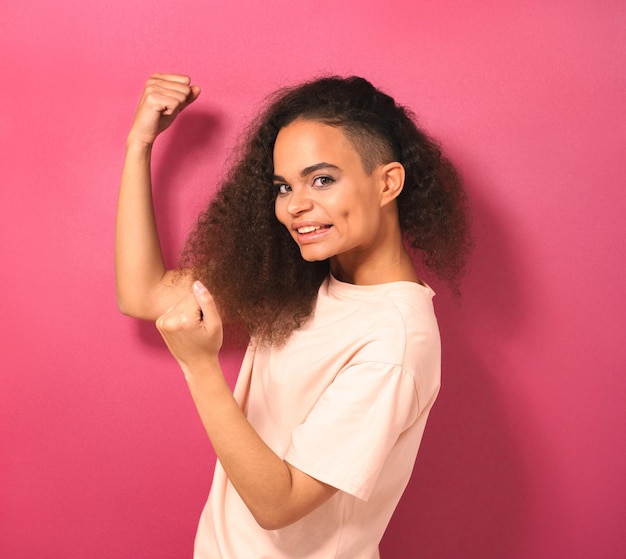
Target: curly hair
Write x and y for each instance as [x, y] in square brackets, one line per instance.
[249, 260]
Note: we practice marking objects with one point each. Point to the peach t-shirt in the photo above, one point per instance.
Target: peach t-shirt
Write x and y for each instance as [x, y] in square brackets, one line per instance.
[345, 401]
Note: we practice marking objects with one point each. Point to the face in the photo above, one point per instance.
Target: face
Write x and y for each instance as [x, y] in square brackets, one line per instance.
[326, 200]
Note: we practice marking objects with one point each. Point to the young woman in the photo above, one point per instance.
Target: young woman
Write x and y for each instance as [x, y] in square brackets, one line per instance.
[310, 243]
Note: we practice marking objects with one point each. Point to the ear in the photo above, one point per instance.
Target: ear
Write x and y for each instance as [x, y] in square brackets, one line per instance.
[392, 176]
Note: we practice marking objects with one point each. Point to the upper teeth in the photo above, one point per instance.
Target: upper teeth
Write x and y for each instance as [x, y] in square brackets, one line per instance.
[308, 229]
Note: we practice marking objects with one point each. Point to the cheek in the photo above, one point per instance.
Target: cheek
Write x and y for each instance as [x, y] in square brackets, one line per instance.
[365, 218]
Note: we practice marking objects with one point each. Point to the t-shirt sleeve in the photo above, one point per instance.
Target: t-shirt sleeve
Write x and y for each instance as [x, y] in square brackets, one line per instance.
[349, 433]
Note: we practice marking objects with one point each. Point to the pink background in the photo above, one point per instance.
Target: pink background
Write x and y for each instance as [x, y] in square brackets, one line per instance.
[102, 454]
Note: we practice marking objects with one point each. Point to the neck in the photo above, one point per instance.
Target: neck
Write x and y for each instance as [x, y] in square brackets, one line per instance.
[384, 261]
[397, 267]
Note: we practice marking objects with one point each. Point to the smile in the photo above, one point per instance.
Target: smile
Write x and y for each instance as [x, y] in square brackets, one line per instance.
[308, 229]
[311, 233]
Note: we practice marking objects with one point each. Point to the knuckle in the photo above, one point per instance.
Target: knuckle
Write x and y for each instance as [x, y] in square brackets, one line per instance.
[185, 320]
[149, 92]
[165, 323]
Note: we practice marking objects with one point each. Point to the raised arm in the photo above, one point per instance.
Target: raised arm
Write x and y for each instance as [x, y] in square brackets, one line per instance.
[145, 288]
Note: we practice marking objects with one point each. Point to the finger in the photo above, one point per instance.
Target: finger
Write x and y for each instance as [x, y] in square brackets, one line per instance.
[177, 91]
[166, 101]
[193, 94]
[161, 103]
[180, 78]
[203, 298]
[175, 82]
[211, 321]
[189, 312]
[169, 99]
[166, 86]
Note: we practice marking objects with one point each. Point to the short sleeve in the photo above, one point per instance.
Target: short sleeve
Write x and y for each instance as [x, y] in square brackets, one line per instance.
[347, 436]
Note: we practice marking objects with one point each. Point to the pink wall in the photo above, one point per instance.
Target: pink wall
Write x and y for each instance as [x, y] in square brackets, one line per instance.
[101, 452]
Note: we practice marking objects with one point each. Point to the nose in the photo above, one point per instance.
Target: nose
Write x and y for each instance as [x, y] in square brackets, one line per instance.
[299, 201]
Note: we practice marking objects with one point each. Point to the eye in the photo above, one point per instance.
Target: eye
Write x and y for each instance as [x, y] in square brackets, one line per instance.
[282, 188]
[322, 181]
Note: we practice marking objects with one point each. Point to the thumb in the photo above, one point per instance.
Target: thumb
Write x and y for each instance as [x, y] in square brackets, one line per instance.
[203, 297]
[209, 316]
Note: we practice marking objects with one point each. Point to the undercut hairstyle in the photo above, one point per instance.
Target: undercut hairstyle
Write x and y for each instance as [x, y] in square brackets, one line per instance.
[248, 259]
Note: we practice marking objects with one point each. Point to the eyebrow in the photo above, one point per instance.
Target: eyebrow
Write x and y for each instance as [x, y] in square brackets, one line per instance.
[310, 169]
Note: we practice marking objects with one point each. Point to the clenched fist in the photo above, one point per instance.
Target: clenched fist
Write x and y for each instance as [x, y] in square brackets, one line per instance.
[192, 330]
[164, 97]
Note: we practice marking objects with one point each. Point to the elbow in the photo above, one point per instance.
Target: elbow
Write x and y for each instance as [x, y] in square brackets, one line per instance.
[124, 307]
[128, 309]
[123, 300]
[276, 513]
[126, 312]
[271, 524]
[274, 520]
[121, 306]
[129, 303]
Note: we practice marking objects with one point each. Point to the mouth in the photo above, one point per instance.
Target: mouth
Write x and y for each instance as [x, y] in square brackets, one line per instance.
[310, 229]
[310, 232]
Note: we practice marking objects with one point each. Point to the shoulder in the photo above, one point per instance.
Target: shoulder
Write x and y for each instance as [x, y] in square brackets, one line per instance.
[393, 322]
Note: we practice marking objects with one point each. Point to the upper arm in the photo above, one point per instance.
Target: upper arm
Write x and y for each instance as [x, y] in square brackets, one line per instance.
[171, 289]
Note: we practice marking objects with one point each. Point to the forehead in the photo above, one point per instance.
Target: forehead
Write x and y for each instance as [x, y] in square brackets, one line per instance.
[307, 142]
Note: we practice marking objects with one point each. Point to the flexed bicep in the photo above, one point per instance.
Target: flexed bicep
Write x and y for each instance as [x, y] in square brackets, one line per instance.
[145, 287]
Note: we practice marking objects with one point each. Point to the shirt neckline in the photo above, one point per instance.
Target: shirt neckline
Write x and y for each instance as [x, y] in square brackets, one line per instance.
[350, 290]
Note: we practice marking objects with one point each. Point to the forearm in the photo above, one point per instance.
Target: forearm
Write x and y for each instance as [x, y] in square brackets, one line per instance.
[275, 493]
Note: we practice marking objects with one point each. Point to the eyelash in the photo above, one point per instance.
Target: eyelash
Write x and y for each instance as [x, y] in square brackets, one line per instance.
[281, 189]
[329, 180]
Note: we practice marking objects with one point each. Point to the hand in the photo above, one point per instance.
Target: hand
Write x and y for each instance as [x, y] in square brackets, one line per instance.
[192, 330]
[164, 97]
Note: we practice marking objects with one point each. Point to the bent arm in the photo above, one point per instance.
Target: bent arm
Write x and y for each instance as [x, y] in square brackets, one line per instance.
[145, 288]
[276, 493]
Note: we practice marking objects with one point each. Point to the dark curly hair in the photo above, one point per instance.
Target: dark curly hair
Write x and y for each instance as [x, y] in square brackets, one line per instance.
[249, 260]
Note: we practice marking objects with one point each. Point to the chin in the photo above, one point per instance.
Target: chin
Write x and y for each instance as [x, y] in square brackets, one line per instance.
[313, 256]
[313, 259]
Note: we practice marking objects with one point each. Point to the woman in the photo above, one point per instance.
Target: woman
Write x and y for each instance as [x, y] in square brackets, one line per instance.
[307, 244]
